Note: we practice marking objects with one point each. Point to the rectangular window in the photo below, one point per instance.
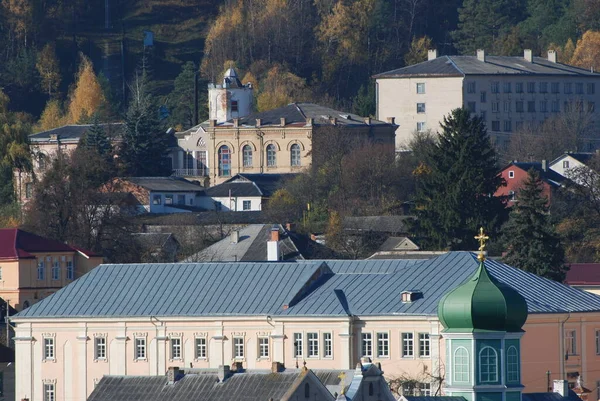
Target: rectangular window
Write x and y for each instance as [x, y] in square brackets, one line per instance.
[420, 107]
[424, 345]
[543, 87]
[568, 87]
[200, 348]
[175, 348]
[571, 342]
[554, 87]
[156, 199]
[495, 107]
[48, 348]
[408, 348]
[597, 342]
[28, 190]
[591, 88]
[41, 270]
[483, 97]
[168, 199]
[140, 348]
[511, 174]
[591, 106]
[49, 394]
[201, 162]
[421, 126]
[483, 115]
[420, 88]
[472, 107]
[263, 347]
[238, 347]
[313, 345]
[471, 88]
[519, 106]
[327, 345]
[55, 269]
[507, 126]
[298, 345]
[530, 87]
[495, 87]
[555, 106]
[100, 347]
[367, 344]
[519, 87]
[425, 389]
[383, 345]
[246, 205]
[507, 106]
[565, 164]
[544, 106]
[531, 106]
[496, 125]
[579, 88]
[70, 271]
[507, 86]
[234, 106]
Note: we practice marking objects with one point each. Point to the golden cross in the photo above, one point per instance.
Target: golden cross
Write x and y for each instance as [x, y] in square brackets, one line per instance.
[482, 238]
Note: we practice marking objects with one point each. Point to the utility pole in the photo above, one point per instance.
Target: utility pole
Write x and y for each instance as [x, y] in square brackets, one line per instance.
[195, 98]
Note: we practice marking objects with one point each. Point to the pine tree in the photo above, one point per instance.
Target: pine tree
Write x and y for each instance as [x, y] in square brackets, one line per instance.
[531, 241]
[96, 139]
[145, 142]
[456, 183]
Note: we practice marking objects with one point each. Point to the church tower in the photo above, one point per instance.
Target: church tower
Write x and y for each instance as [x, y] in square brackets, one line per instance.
[230, 100]
[482, 322]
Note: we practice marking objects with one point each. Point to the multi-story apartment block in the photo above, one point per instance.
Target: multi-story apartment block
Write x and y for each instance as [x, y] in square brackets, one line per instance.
[509, 93]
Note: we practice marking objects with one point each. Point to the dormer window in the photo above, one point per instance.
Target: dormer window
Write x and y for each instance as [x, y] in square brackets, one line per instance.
[410, 296]
[234, 106]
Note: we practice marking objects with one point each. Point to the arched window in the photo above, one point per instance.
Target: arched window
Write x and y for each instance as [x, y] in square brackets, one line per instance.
[306, 390]
[488, 365]
[247, 155]
[512, 364]
[295, 155]
[370, 388]
[224, 161]
[271, 159]
[461, 365]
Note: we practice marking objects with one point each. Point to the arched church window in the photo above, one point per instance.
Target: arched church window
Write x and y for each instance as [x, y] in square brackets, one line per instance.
[295, 155]
[247, 156]
[461, 365]
[271, 158]
[224, 161]
[512, 364]
[488, 365]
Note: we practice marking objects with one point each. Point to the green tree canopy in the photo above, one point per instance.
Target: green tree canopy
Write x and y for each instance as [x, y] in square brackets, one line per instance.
[530, 239]
[456, 182]
[96, 139]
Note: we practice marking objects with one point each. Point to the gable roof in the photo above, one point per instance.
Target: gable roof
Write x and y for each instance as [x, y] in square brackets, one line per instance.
[548, 175]
[165, 184]
[460, 66]
[398, 244]
[583, 274]
[74, 132]
[387, 224]
[582, 157]
[18, 244]
[257, 185]
[309, 288]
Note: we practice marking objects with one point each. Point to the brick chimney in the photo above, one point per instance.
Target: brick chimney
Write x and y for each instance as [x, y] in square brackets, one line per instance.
[431, 54]
[282, 120]
[481, 55]
[258, 122]
[528, 55]
[238, 367]
[223, 373]
[173, 374]
[276, 367]
[561, 387]
[552, 56]
[273, 245]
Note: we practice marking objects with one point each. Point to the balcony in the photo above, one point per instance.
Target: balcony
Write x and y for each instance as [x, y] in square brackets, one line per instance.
[190, 172]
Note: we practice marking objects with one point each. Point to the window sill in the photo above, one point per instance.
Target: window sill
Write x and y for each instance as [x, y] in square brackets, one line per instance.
[200, 359]
[383, 357]
[101, 360]
[49, 360]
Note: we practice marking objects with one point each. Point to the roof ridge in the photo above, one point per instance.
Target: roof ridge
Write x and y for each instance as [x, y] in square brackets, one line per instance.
[455, 66]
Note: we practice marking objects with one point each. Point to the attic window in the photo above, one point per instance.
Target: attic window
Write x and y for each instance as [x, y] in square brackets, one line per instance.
[511, 174]
[234, 106]
[410, 296]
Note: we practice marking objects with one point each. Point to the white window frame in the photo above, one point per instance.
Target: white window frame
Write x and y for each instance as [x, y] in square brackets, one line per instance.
[140, 352]
[566, 164]
[263, 347]
[421, 126]
[246, 203]
[512, 364]
[327, 345]
[491, 373]
[383, 344]
[570, 342]
[408, 344]
[49, 349]
[424, 345]
[298, 345]
[420, 88]
[511, 174]
[366, 344]
[313, 344]
[295, 155]
[41, 269]
[176, 348]
[49, 392]
[99, 348]
[55, 269]
[200, 348]
[239, 349]
[70, 270]
[421, 108]
[456, 372]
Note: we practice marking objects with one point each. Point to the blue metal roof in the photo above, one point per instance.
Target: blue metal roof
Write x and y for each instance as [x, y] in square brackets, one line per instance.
[307, 288]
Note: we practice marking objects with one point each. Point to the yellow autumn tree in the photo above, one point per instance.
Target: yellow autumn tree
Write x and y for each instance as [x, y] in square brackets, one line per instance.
[52, 116]
[587, 51]
[418, 50]
[567, 51]
[87, 97]
[19, 14]
[281, 87]
[48, 68]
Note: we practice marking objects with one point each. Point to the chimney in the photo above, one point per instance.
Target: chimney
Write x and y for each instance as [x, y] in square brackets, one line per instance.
[282, 119]
[431, 54]
[273, 245]
[235, 236]
[391, 120]
[236, 122]
[561, 387]
[173, 374]
[368, 120]
[276, 367]
[365, 359]
[309, 121]
[528, 55]
[552, 56]
[481, 55]
[223, 373]
[333, 120]
[544, 165]
[258, 122]
[238, 367]
[212, 123]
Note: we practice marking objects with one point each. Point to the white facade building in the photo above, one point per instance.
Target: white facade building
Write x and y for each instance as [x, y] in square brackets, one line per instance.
[230, 100]
[509, 93]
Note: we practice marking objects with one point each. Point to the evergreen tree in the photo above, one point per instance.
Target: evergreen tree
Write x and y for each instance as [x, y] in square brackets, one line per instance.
[145, 141]
[456, 183]
[531, 241]
[182, 98]
[96, 139]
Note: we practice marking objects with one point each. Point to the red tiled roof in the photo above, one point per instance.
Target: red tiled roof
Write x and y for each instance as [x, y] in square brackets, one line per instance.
[583, 274]
[18, 244]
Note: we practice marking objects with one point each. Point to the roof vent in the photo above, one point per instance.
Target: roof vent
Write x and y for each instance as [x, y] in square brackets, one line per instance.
[411, 296]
